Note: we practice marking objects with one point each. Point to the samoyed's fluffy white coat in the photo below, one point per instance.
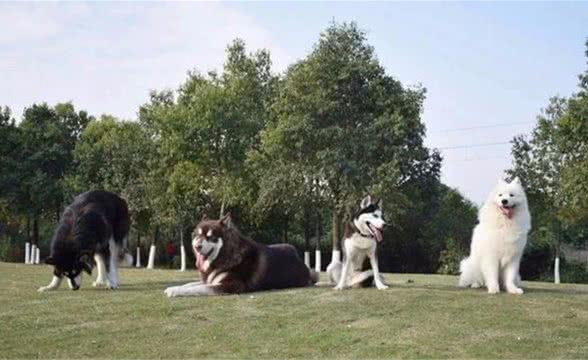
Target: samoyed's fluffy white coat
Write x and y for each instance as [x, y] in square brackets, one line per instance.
[498, 241]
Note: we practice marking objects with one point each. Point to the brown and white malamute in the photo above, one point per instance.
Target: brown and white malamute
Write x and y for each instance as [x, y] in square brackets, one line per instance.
[230, 263]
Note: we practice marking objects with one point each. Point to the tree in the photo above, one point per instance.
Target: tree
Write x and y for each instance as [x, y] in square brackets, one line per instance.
[554, 164]
[341, 127]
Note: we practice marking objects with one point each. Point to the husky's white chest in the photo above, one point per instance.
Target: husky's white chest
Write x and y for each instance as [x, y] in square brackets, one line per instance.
[359, 241]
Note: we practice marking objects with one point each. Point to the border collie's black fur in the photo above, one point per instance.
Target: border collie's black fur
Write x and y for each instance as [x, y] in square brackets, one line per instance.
[85, 230]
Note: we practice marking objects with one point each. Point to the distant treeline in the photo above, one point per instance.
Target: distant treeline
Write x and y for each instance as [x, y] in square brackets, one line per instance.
[289, 155]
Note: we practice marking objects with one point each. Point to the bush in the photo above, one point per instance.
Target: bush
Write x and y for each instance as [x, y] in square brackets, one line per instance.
[450, 258]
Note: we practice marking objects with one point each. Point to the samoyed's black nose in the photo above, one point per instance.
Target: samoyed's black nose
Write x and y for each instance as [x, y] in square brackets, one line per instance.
[504, 201]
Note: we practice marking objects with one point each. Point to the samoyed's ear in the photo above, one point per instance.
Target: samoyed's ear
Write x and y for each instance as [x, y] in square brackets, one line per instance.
[517, 181]
[501, 181]
[365, 202]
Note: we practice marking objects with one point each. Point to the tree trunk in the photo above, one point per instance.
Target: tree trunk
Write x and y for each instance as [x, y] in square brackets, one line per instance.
[28, 242]
[36, 230]
[285, 239]
[556, 278]
[138, 257]
[182, 251]
[307, 237]
[336, 253]
[151, 263]
[317, 252]
[222, 209]
[335, 228]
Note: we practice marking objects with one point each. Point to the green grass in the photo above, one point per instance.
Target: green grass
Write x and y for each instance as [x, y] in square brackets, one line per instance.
[420, 316]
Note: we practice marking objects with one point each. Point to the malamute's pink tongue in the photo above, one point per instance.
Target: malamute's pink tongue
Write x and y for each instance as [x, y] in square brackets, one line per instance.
[200, 261]
[506, 211]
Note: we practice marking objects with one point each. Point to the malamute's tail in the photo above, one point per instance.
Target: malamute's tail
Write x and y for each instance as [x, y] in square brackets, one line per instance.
[468, 273]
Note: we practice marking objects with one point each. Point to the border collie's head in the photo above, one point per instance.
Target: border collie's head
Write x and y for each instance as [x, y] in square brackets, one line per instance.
[70, 262]
[369, 219]
[509, 196]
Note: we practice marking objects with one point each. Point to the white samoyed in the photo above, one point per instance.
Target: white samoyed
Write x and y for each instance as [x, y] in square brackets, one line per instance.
[498, 240]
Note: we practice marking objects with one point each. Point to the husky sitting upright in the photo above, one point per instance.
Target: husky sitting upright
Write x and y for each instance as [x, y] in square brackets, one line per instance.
[95, 225]
[360, 240]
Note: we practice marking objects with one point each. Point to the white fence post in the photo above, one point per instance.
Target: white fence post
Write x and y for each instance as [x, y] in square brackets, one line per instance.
[37, 255]
[307, 259]
[556, 271]
[317, 261]
[151, 262]
[138, 258]
[183, 258]
[27, 258]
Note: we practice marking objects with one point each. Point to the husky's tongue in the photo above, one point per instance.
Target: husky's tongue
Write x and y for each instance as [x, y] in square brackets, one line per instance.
[377, 233]
[506, 211]
[200, 261]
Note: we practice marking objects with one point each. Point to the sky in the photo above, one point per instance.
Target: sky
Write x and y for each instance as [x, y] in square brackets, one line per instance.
[488, 67]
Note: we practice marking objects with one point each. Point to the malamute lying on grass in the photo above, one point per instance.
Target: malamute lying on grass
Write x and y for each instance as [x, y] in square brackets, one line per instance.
[230, 263]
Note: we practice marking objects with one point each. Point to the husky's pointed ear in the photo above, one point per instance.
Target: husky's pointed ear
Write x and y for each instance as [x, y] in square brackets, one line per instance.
[517, 180]
[50, 261]
[226, 221]
[380, 203]
[365, 202]
[204, 217]
[85, 260]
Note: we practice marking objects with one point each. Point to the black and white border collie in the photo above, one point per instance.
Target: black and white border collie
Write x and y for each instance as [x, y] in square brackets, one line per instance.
[96, 226]
[360, 240]
[230, 263]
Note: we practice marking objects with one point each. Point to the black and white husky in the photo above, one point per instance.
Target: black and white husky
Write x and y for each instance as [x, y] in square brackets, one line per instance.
[360, 240]
[95, 226]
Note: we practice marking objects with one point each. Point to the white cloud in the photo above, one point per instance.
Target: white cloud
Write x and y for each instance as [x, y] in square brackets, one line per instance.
[105, 57]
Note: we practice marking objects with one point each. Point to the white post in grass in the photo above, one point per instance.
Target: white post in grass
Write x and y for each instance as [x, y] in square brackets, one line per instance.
[138, 257]
[182, 258]
[151, 262]
[307, 259]
[32, 255]
[317, 261]
[37, 256]
[27, 253]
[556, 270]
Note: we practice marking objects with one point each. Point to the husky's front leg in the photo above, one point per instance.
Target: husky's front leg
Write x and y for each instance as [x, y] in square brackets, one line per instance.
[53, 285]
[344, 272]
[374, 263]
[191, 289]
[101, 279]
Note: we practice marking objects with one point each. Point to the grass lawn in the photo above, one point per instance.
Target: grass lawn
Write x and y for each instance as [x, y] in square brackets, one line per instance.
[420, 316]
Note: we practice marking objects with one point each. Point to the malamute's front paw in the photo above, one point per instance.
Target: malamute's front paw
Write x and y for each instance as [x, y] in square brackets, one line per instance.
[112, 286]
[381, 286]
[171, 291]
[44, 288]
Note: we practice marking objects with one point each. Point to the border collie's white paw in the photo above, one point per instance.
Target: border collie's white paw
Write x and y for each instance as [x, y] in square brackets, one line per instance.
[98, 283]
[44, 288]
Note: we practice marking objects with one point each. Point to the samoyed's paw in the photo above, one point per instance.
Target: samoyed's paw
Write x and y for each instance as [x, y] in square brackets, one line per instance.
[493, 290]
[515, 290]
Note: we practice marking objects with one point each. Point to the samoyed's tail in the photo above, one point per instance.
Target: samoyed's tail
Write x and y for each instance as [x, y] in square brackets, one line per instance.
[468, 272]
